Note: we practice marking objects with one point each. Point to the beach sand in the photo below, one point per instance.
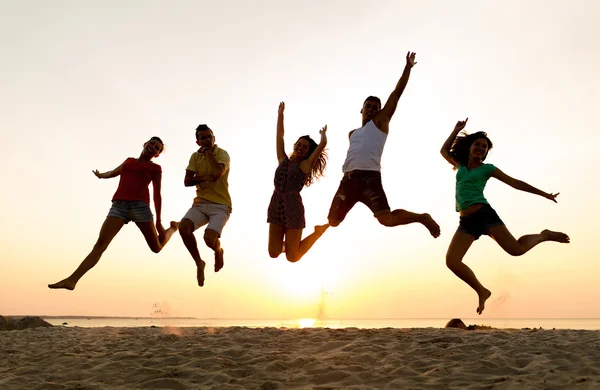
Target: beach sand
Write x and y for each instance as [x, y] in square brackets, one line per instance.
[311, 358]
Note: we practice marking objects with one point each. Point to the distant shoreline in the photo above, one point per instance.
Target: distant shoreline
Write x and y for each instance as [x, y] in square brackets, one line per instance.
[102, 317]
[293, 318]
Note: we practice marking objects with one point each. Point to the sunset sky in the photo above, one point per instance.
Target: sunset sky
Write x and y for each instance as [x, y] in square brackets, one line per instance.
[85, 84]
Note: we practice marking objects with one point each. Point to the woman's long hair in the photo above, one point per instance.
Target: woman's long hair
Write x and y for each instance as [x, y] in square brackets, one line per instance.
[318, 169]
[462, 145]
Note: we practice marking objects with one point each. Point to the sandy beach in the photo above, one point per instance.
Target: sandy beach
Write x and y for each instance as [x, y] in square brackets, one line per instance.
[312, 358]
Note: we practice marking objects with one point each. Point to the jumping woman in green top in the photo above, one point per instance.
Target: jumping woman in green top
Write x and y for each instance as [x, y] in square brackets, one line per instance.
[466, 153]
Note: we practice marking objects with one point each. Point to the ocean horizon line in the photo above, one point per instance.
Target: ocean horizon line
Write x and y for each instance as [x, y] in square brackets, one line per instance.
[290, 318]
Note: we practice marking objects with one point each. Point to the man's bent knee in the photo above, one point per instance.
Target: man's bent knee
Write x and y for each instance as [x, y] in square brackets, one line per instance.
[515, 251]
[385, 219]
[334, 223]
[210, 237]
[186, 227]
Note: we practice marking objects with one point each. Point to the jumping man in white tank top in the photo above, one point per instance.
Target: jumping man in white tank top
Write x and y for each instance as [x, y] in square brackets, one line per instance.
[362, 168]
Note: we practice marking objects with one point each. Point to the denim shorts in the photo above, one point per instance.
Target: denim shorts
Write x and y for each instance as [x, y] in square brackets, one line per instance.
[131, 210]
[479, 222]
[359, 186]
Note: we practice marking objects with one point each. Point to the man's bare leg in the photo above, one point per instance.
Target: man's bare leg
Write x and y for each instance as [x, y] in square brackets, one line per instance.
[109, 229]
[211, 238]
[186, 231]
[403, 217]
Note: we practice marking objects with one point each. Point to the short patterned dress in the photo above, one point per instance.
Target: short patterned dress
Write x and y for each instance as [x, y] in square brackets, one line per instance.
[286, 208]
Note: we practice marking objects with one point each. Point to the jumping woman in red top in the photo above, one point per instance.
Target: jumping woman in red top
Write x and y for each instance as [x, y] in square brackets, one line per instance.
[131, 202]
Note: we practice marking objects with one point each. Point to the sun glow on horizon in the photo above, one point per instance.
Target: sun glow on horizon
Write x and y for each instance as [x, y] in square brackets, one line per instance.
[306, 322]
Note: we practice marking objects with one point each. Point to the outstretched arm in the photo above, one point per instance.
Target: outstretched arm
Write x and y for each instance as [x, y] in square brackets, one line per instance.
[107, 175]
[307, 164]
[280, 131]
[521, 185]
[386, 113]
[445, 151]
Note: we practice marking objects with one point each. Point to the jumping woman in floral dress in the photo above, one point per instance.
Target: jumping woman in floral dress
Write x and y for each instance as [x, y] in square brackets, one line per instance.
[286, 211]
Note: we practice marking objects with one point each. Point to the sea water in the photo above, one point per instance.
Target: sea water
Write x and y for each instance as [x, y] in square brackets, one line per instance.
[370, 323]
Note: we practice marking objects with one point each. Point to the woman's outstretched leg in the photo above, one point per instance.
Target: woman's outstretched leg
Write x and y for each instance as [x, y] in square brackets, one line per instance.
[518, 247]
[109, 230]
[460, 244]
[294, 248]
[276, 235]
[155, 242]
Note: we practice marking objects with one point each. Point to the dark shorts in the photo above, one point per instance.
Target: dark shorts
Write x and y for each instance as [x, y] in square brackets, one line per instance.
[359, 186]
[131, 210]
[479, 222]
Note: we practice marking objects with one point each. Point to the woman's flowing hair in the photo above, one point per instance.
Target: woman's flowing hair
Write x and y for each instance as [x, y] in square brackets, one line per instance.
[318, 169]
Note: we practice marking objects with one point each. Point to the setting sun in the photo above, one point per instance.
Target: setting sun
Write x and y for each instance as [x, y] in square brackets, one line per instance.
[306, 322]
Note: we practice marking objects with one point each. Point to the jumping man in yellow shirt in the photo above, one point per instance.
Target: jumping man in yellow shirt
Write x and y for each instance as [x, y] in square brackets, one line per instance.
[208, 170]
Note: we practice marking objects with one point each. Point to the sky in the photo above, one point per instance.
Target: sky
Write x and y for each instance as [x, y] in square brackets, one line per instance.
[85, 84]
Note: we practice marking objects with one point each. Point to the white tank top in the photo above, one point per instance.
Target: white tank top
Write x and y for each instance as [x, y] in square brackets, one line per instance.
[365, 150]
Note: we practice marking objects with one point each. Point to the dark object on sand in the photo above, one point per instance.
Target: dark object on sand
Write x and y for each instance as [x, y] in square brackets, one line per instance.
[456, 323]
[8, 323]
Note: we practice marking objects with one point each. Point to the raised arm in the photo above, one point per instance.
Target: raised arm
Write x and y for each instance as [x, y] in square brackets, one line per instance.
[445, 151]
[279, 143]
[385, 115]
[107, 175]
[307, 165]
[521, 185]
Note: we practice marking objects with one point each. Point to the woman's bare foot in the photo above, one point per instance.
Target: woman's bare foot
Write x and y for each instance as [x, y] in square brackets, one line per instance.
[174, 225]
[200, 272]
[431, 225]
[219, 261]
[320, 229]
[482, 298]
[550, 235]
[65, 283]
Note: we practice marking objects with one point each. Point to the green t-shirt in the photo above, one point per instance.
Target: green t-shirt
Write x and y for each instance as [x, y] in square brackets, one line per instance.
[470, 185]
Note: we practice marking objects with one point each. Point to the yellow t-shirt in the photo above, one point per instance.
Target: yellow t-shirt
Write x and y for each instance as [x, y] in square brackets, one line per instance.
[217, 192]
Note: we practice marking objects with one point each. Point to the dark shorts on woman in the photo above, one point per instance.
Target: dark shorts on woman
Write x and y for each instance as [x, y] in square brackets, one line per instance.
[479, 222]
[359, 186]
[131, 210]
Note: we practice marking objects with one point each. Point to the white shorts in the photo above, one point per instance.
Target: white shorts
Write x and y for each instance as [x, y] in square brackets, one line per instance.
[214, 214]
